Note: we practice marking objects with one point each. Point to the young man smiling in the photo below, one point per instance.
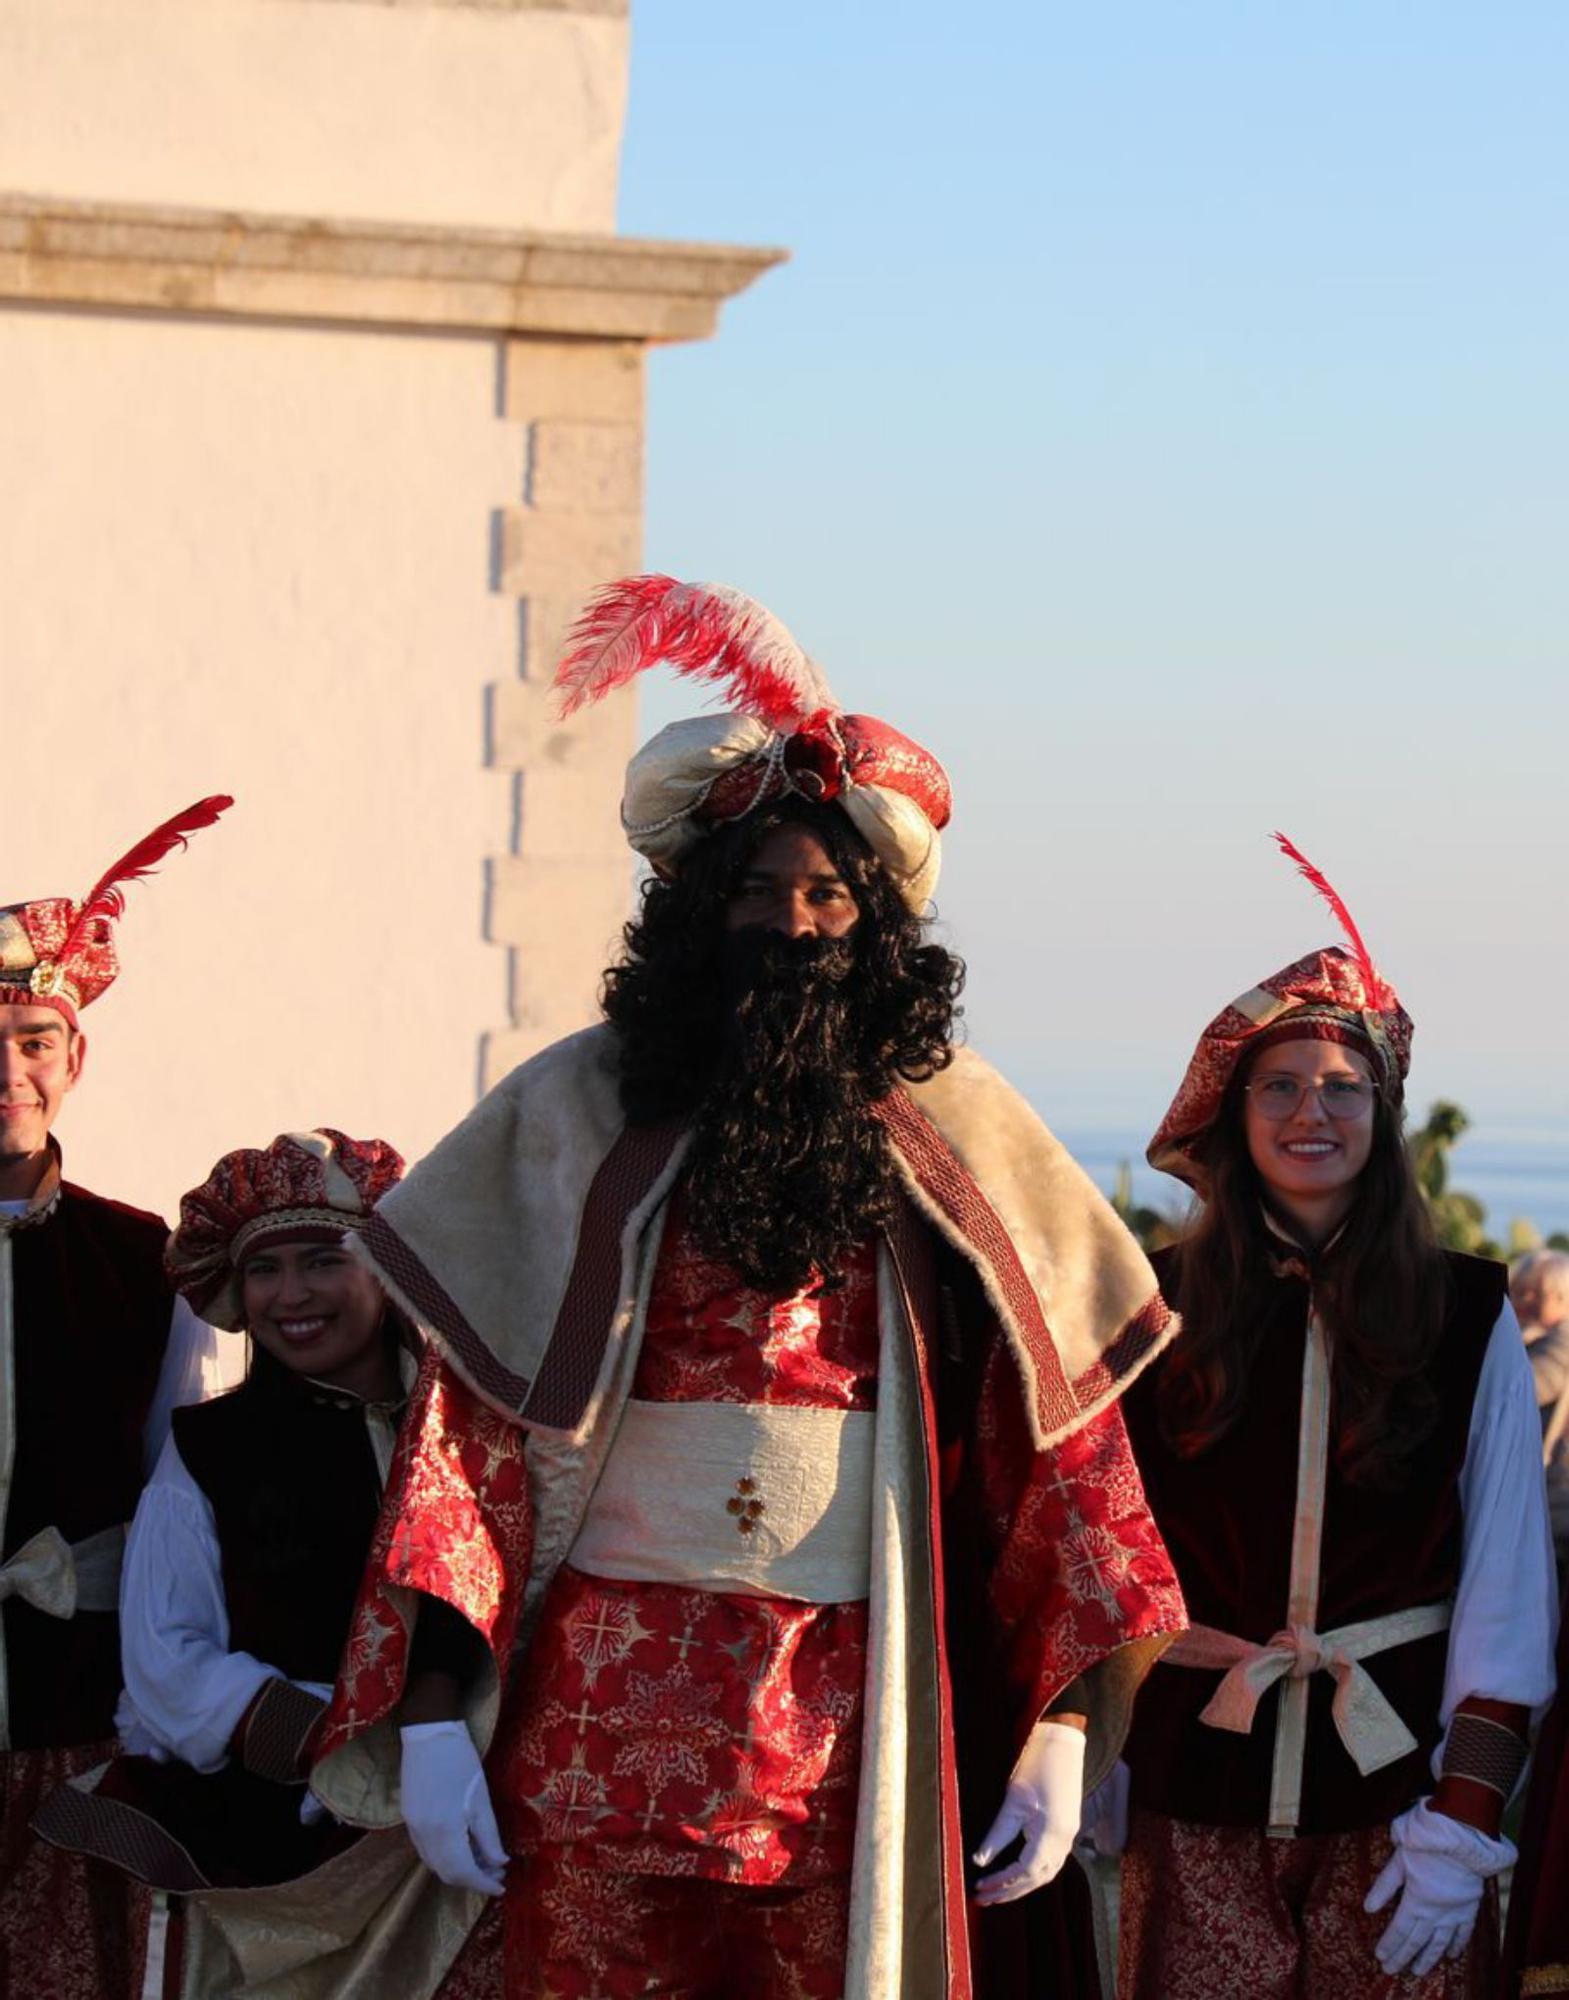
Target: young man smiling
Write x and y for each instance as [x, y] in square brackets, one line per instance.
[94, 1353]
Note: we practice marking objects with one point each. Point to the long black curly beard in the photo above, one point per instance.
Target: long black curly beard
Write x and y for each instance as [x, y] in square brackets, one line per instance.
[789, 1167]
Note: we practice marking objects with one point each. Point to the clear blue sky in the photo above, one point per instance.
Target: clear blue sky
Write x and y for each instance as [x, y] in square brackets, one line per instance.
[1164, 416]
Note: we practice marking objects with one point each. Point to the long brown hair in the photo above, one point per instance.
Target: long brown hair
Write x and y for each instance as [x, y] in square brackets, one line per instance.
[1381, 1289]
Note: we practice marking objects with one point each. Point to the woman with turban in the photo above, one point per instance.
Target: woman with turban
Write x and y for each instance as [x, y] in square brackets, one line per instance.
[1343, 1454]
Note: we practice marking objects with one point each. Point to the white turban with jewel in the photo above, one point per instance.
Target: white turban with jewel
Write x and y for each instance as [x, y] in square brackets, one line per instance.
[786, 734]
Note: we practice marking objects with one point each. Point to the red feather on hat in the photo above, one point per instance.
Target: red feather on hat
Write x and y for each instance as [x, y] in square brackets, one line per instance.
[1378, 991]
[105, 898]
[706, 631]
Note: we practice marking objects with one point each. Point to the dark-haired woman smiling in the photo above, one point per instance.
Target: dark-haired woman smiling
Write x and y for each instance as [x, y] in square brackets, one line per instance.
[1343, 1454]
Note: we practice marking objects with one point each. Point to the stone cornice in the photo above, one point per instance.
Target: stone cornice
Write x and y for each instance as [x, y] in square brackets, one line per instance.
[57, 252]
[617, 8]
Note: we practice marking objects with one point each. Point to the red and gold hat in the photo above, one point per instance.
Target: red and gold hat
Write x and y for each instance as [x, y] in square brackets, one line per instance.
[60, 954]
[787, 733]
[305, 1186]
[1333, 995]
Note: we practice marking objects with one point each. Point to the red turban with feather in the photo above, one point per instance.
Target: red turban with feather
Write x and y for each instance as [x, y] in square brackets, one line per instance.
[60, 954]
[1333, 995]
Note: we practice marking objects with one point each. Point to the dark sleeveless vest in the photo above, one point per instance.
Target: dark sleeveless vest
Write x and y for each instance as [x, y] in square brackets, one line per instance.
[1227, 1518]
[290, 1473]
[91, 1313]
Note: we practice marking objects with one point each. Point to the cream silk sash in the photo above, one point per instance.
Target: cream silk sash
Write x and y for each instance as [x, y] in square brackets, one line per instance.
[759, 1499]
[61, 1578]
[1367, 1724]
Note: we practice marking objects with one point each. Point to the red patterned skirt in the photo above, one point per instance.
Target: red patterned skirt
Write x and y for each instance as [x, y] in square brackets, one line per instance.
[68, 1930]
[1226, 1913]
[477, 1972]
[576, 1930]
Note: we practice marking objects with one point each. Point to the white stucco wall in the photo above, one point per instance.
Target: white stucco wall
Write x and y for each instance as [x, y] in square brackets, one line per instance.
[505, 116]
[257, 559]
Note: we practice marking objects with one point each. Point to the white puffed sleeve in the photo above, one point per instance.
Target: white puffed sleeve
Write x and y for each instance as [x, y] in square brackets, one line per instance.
[199, 1362]
[185, 1692]
[1506, 1607]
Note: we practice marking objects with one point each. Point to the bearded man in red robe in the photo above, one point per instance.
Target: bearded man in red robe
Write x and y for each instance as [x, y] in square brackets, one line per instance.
[772, 1450]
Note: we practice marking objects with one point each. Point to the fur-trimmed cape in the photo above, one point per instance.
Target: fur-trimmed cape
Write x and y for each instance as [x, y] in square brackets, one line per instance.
[1010, 1562]
[496, 1242]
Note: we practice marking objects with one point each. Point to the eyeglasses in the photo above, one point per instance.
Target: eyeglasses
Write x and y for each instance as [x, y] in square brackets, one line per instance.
[1345, 1098]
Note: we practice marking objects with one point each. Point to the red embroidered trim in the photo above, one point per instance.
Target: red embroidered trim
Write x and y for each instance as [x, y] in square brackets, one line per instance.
[947, 1183]
[1142, 1333]
[571, 1363]
[434, 1305]
[558, 1395]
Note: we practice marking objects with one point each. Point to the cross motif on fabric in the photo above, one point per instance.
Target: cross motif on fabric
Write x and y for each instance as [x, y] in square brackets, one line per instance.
[602, 1631]
[1094, 1565]
[1068, 1491]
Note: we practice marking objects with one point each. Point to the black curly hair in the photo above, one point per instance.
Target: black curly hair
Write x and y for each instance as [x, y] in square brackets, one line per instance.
[775, 1049]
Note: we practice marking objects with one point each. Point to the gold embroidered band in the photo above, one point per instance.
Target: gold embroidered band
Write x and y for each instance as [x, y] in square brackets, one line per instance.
[1484, 1751]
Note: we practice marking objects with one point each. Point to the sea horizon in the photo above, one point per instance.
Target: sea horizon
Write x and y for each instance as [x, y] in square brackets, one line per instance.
[1513, 1159]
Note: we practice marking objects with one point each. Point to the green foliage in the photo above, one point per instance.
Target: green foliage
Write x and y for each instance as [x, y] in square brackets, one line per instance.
[1151, 1226]
[1430, 1147]
[1459, 1218]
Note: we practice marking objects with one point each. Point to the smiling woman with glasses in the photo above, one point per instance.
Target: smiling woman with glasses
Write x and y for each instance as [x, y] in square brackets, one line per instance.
[1341, 1452]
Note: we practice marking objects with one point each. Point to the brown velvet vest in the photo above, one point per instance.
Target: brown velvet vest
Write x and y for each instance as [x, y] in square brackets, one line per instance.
[92, 1311]
[1227, 1518]
[292, 1479]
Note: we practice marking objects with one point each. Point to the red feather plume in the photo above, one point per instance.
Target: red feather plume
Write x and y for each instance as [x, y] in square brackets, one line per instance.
[1378, 991]
[105, 899]
[704, 630]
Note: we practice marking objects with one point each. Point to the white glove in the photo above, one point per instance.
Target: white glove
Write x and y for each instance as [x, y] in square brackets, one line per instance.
[1104, 1825]
[1439, 1865]
[1044, 1799]
[447, 1809]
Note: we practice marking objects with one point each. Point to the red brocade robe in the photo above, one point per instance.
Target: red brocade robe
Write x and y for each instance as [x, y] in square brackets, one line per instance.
[1014, 1562]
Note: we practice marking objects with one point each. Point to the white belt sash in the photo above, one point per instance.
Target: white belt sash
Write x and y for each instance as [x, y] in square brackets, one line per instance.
[61, 1577]
[1368, 1726]
[757, 1499]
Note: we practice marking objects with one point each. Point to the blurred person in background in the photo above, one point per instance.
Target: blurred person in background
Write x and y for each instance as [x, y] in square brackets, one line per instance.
[1539, 1287]
[1342, 1451]
[97, 1351]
